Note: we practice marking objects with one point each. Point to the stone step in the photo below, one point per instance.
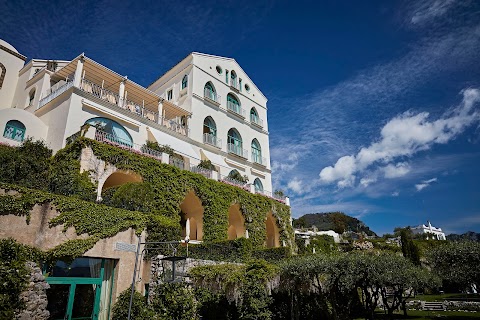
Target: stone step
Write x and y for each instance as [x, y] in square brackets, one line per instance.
[433, 306]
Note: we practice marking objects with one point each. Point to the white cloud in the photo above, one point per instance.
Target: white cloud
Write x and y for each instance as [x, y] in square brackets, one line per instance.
[295, 185]
[424, 184]
[398, 170]
[430, 9]
[366, 181]
[395, 194]
[403, 136]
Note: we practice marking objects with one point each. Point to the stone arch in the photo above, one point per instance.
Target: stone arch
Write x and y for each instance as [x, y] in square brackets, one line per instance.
[236, 223]
[192, 210]
[3, 72]
[273, 234]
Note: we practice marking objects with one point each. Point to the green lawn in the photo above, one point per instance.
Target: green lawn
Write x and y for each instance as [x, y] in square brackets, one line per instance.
[447, 315]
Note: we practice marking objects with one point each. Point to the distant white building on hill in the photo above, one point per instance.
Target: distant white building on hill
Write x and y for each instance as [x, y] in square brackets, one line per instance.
[307, 234]
[432, 232]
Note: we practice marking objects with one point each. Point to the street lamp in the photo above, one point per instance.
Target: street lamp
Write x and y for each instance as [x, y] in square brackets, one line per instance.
[173, 268]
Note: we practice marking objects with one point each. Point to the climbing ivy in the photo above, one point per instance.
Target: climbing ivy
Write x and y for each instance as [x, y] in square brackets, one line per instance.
[170, 185]
[163, 189]
[96, 221]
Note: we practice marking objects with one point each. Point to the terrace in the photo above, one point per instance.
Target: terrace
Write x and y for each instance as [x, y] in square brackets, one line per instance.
[101, 84]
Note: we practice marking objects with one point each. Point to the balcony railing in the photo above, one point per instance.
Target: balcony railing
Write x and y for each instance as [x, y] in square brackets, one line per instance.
[259, 159]
[131, 106]
[271, 195]
[234, 182]
[211, 95]
[110, 139]
[54, 94]
[235, 108]
[177, 162]
[211, 139]
[204, 172]
[234, 84]
[256, 120]
[238, 150]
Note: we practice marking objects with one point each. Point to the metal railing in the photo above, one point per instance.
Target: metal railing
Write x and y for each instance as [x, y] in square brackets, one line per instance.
[177, 162]
[234, 83]
[238, 150]
[256, 158]
[211, 95]
[131, 106]
[271, 195]
[99, 92]
[55, 94]
[108, 138]
[14, 133]
[256, 120]
[235, 108]
[204, 172]
[211, 139]
[234, 182]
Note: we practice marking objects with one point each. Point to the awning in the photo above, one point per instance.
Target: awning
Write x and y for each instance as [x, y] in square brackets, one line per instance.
[181, 147]
[214, 158]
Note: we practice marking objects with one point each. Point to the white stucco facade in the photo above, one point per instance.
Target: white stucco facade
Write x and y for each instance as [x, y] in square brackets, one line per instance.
[432, 232]
[51, 99]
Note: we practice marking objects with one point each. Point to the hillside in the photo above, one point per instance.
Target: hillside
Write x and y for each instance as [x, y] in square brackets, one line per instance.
[467, 236]
[337, 221]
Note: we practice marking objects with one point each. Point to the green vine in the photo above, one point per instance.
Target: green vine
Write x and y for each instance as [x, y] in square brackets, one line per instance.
[162, 191]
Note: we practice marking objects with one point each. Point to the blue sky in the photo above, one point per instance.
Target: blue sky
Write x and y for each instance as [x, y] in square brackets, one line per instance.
[374, 106]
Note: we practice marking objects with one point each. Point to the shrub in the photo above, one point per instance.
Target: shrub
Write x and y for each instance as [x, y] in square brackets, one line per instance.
[140, 311]
[131, 196]
[175, 301]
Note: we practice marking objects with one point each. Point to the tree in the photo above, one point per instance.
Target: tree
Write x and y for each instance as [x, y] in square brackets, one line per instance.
[409, 249]
[399, 280]
[457, 263]
[175, 301]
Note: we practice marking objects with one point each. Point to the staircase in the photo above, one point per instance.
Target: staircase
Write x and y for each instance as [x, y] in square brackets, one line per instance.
[433, 306]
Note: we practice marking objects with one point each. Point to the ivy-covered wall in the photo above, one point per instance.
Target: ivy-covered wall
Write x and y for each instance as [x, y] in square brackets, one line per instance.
[170, 185]
[163, 189]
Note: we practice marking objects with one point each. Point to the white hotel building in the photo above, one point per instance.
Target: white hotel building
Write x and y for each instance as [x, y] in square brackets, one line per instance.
[205, 108]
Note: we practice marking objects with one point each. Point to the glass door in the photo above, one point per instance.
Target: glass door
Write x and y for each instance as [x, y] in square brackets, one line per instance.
[76, 289]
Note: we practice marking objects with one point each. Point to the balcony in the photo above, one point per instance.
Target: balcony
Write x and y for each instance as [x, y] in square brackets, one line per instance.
[204, 172]
[110, 139]
[212, 96]
[234, 84]
[211, 139]
[134, 107]
[54, 92]
[177, 162]
[236, 109]
[271, 195]
[255, 120]
[258, 159]
[237, 150]
[234, 182]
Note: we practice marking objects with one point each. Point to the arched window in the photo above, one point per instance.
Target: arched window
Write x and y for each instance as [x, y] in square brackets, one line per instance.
[258, 185]
[253, 115]
[31, 96]
[184, 82]
[233, 79]
[3, 71]
[14, 130]
[256, 152]
[233, 75]
[209, 126]
[209, 91]
[234, 142]
[233, 103]
[111, 130]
